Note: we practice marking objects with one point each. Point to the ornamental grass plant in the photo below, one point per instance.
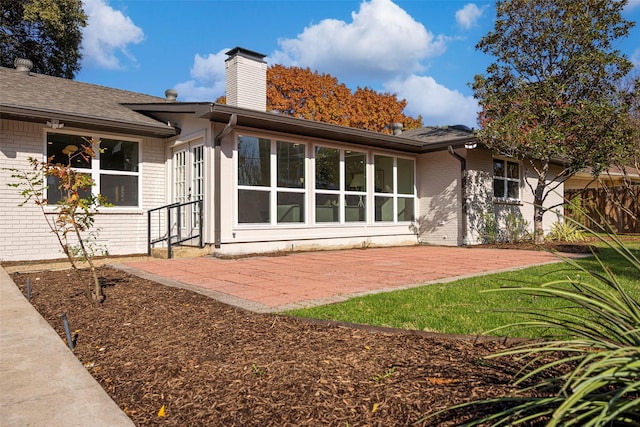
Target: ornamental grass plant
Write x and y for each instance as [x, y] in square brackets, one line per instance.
[585, 370]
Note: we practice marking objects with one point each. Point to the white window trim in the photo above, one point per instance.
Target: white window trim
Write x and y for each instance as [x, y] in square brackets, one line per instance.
[273, 187]
[505, 179]
[309, 190]
[394, 195]
[95, 167]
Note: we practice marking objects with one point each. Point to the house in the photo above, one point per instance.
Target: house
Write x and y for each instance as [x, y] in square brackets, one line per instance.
[249, 181]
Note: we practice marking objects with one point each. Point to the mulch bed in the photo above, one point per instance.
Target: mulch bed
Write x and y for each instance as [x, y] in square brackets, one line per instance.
[211, 364]
[562, 247]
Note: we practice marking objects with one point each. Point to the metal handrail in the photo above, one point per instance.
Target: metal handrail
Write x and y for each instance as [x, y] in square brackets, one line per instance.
[176, 238]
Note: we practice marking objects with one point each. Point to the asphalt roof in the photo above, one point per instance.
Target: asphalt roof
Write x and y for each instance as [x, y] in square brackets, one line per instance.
[40, 97]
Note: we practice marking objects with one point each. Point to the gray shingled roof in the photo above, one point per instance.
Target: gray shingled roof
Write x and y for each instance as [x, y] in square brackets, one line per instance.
[436, 138]
[41, 97]
[433, 134]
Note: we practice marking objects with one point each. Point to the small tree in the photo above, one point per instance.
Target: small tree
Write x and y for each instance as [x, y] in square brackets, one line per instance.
[74, 212]
[552, 96]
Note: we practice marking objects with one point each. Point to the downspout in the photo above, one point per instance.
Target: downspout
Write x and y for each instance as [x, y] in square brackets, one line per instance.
[217, 180]
[463, 174]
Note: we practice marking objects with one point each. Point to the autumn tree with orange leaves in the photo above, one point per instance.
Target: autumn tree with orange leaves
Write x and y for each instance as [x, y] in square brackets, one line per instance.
[300, 92]
[550, 99]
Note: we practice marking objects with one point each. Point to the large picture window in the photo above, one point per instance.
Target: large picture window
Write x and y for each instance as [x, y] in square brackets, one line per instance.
[115, 169]
[270, 174]
[284, 182]
[506, 180]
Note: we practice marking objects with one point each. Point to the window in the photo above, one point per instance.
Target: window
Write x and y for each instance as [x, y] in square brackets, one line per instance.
[506, 180]
[290, 158]
[115, 169]
[119, 172]
[394, 188]
[254, 172]
[341, 185]
[355, 185]
[284, 182]
[270, 173]
[327, 199]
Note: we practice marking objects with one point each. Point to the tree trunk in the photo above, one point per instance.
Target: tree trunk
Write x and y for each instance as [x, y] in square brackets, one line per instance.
[538, 201]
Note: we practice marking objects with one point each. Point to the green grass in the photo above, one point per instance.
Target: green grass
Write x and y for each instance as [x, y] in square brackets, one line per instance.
[461, 307]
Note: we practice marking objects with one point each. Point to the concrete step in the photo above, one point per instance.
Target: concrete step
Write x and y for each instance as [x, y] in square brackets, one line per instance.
[181, 252]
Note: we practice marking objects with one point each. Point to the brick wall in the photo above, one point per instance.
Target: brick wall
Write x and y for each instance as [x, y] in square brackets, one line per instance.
[439, 215]
[24, 234]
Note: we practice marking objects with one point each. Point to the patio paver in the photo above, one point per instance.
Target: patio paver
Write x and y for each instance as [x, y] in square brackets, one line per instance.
[304, 279]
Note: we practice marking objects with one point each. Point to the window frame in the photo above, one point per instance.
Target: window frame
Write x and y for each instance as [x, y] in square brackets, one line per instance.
[394, 193]
[361, 199]
[506, 180]
[95, 170]
[273, 189]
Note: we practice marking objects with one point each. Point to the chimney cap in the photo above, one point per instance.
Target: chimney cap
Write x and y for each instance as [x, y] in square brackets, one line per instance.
[170, 94]
[23, 65]
[240, 51]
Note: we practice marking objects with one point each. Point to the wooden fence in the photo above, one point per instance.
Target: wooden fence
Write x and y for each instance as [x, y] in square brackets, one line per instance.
[618, 207]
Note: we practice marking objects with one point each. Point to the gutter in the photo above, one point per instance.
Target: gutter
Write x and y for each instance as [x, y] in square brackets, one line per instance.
[217, 180]
[157, 129]
[463, 174]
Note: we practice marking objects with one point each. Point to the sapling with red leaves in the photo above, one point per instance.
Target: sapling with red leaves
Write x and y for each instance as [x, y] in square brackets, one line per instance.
[73, 222]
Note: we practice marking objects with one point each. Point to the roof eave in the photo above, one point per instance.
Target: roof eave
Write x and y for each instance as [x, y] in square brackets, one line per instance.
[77, 120]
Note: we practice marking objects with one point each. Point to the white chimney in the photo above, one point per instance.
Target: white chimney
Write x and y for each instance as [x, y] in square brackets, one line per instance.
[246, 75]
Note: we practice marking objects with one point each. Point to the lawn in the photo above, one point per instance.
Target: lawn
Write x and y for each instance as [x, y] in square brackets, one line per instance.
[465, 306]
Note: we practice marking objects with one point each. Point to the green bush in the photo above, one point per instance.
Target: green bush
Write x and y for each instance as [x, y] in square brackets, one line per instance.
[565, 231]
[516, 228]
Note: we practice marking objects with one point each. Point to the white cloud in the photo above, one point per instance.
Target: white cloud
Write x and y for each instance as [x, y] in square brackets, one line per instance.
[631, 5]
[381, 41]
[437, 104]
[468, 16]
[108, 33]
[208, 78]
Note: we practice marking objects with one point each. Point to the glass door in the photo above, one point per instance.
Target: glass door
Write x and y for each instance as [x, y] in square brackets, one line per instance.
[188, 185]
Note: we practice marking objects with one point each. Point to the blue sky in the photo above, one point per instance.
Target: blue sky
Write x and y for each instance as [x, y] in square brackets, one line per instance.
[421, 50]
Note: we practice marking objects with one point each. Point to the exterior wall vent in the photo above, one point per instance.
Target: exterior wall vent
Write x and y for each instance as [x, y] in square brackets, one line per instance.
[23, 65]
[246, 79]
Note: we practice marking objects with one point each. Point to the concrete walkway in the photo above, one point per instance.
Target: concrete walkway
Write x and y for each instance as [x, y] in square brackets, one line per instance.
[41, 381]
[43, 384]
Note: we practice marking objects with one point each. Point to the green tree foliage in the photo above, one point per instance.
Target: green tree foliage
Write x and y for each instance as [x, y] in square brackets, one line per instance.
[47, 32]
[552, 92]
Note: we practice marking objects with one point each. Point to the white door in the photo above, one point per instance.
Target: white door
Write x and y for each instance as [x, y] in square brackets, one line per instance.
[188, 185]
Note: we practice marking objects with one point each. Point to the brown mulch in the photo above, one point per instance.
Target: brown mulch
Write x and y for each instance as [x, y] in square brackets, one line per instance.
[211, 364]
[563, 247]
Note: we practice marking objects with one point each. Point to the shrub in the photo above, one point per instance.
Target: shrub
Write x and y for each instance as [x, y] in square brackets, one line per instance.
[596, 337]
[516, 228]
[488, 229]
[565, 231]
